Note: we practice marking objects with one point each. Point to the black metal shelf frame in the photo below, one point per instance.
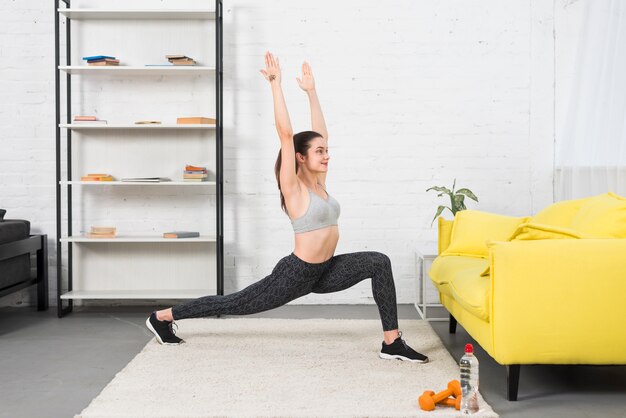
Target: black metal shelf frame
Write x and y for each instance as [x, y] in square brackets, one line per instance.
[219, 243]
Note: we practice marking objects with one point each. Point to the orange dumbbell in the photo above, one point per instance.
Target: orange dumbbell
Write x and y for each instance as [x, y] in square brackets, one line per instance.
[453, 402]
[429, 399]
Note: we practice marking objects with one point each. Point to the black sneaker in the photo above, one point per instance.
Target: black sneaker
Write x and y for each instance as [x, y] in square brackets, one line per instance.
[401, 351]
[163, 331]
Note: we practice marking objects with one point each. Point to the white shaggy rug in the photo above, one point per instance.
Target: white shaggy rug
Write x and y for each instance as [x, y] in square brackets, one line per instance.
[261, 367]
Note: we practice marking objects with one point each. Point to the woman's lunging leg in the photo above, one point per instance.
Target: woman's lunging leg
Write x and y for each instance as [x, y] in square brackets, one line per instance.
[346, 270]
[257, 297]
[273, 291]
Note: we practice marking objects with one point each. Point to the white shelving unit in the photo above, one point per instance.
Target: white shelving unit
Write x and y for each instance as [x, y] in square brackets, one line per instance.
[141, 266]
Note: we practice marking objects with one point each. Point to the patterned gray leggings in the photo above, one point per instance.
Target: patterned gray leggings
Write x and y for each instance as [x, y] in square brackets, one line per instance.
[292, 278]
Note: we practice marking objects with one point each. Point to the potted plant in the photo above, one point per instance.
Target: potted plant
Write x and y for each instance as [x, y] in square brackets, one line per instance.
[457, 199]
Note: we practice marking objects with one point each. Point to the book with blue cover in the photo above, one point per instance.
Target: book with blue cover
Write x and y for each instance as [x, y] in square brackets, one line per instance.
[97, 57]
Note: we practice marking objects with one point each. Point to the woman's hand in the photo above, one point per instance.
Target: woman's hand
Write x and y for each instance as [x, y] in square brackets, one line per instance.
[272, 68]
[307, 83]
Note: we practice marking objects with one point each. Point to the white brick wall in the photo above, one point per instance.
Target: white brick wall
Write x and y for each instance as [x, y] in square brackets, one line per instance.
[415, 93]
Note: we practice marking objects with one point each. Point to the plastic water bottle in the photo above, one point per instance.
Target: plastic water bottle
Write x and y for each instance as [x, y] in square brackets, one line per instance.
[469, 381]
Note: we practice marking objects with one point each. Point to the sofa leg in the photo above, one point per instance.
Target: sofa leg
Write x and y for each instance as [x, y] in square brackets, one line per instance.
[452, 327]
[512, 380]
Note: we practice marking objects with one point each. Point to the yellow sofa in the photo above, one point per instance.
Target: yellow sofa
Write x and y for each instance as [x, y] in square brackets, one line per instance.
[543, 289]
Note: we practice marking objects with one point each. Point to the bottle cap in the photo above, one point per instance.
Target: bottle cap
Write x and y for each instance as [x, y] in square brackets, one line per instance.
[469, 348]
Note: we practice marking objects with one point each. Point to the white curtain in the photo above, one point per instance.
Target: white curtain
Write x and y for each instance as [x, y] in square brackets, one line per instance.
[591, 145]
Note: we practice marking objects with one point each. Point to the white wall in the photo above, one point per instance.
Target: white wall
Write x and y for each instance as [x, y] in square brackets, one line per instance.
[415, 93]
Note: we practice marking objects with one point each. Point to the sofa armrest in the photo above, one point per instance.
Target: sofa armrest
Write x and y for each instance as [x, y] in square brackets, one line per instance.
[559, 301]
[444, 229]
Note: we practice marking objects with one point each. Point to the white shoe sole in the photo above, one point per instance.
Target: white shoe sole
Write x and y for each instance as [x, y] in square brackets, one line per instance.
[399, 357]
[156, 334]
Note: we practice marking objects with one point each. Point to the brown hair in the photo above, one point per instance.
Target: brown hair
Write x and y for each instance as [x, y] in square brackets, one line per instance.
[301, 144]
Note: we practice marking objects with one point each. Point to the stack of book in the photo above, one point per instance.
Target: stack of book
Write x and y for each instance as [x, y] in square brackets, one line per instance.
[101, 60]
[97, 177]
[88, 120]
[180, 60]
[102, 232]
[193, 173]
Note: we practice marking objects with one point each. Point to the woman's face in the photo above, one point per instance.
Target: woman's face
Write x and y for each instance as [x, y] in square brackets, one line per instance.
[317, 155]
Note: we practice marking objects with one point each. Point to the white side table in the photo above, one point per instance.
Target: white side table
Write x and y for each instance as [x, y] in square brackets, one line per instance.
[425, 291]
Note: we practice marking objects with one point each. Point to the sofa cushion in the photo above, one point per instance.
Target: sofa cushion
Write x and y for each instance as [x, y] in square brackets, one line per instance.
[443, 268]
[532, 231]
[602, 216]
[459, 277]
[471, 291]
[472, 228]
[559, 214]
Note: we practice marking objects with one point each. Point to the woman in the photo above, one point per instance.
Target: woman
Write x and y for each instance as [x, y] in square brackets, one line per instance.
[312, 266]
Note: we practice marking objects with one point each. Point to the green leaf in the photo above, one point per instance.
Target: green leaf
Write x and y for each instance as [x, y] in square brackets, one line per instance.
[453, 184]
[468, 193]
[458, 202]
[440, 189]
[439, 210]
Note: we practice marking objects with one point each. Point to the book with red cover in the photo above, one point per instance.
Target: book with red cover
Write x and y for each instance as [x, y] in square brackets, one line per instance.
[194, 168]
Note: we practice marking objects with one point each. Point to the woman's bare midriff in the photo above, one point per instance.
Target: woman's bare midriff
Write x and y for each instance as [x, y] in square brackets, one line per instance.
[314, 246]
[318, 245]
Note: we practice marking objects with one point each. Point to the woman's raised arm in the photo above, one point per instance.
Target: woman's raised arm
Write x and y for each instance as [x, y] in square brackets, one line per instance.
[288, 177]
[307, 83]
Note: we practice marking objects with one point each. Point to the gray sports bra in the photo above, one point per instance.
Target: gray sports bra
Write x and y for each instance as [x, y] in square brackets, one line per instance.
[320, 214]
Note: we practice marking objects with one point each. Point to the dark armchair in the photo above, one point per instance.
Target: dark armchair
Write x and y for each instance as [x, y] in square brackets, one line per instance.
[16, 246]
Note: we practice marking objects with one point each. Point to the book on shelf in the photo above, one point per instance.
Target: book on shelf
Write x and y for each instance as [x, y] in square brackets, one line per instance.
[176, 57]
[180, 60]
[102, 232]
[194, 169]
[183, 62]
[181, 234]
[146, 179]
[192, 180]
[103, 62]
[97, 57]
[148, 122]
[97, 177]
[88, 120]
[187, 176]
[195, 120]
